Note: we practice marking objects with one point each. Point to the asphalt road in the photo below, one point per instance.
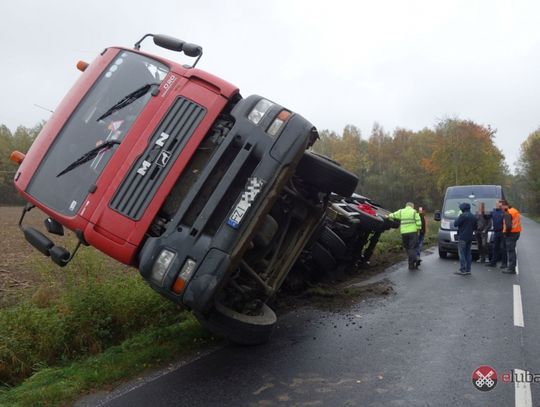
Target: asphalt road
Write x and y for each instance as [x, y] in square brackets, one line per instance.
[417, 347]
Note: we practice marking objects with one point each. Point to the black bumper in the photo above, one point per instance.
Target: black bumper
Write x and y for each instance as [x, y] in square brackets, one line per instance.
[201, 229]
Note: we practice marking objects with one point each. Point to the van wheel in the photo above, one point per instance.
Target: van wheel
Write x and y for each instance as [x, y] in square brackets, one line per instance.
[240, 328]
[325, 175]
[442, 254]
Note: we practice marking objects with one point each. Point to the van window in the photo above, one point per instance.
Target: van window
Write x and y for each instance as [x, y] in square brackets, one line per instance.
[451, 206]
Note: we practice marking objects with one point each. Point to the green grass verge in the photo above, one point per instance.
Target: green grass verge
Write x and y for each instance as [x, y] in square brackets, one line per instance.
[390, 241]
[149, 348]
[91, 324]
[536, 218]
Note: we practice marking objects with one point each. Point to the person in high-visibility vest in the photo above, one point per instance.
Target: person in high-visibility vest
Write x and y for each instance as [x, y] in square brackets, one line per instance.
[511, 232]
[410, 224]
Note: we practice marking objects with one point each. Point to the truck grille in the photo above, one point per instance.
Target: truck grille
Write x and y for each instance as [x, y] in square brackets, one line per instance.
[148, 172]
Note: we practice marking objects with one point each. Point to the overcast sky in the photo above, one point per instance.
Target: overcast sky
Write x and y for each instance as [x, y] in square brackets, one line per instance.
[399, 63]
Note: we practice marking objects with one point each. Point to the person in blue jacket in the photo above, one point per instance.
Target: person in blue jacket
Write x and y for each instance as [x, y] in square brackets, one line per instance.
[499, 248]
[466, 224]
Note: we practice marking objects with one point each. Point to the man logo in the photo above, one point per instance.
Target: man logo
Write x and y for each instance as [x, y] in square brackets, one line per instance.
[162, 138]
[144, 167]
[163, 158]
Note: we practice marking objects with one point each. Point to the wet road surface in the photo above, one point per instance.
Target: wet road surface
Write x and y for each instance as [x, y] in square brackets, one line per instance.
[416, 347]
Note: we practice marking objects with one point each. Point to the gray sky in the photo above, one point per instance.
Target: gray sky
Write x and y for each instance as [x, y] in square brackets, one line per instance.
[400, 63]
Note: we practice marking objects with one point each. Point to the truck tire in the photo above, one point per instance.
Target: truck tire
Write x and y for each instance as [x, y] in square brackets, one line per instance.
[329, 239]
[442, 253]
[322, 259]
[240, 328]
[325, 175]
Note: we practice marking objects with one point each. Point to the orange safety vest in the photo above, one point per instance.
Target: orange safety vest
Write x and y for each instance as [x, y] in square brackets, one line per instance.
[516, 221]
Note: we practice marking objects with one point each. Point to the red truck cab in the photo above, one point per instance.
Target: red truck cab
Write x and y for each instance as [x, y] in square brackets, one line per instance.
[79, 199]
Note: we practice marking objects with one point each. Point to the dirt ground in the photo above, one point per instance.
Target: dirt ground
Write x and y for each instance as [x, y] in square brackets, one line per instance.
[19, 262]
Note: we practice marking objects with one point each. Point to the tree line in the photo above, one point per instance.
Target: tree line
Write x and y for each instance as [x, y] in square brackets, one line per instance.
[392, 167]
[21, 139]
[527, 179]
[417, 166]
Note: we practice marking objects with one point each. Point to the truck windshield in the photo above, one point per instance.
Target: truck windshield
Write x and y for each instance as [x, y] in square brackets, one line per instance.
[105, 115]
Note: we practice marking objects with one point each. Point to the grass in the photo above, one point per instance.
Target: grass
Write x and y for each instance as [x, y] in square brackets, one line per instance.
[536, 218]
[90, 324]
[148, 348]
[390, 241]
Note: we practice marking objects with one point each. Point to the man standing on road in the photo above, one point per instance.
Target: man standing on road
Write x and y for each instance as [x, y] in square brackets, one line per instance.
[410, 224]
[466, 224]
[484, 224]
[499, 249]
[511, 231]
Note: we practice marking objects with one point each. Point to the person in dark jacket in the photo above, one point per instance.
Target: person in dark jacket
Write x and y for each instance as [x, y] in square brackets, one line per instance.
[466, 224]
[484, 225]
[498, 252]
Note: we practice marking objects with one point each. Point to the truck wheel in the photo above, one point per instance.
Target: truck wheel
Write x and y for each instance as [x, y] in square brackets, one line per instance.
[323, 259]
[442, 254]
[329, 239]
[325, 175]
[240, 328]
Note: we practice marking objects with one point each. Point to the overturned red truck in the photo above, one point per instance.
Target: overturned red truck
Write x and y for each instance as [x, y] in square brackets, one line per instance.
[167, 168]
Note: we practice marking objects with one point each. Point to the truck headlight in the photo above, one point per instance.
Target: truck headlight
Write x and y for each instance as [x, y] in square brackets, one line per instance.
[184, 276]
[161, 266]
[276, 125]
[445, 224]
[260, 109]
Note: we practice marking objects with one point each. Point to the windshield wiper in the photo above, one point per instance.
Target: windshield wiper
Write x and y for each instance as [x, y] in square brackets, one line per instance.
[88, 156]
[128, 99]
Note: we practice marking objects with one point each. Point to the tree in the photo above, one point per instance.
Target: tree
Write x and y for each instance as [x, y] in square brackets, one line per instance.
[417, 165]
[21, 140]
[529, 171]
[465, 154]
[6, 146]
[349, 149]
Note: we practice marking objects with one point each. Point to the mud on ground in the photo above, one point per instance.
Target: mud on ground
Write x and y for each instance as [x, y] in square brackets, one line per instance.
[343, 289]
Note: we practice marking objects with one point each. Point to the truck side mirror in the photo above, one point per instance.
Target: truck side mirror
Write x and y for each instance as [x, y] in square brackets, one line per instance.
[174, 44]
[192, 50]
[38, 240]
[168, 42]
[54, 227]
[60, 255]
[437, 216]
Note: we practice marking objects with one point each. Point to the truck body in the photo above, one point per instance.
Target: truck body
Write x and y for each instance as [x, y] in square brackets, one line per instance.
[167, 168]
